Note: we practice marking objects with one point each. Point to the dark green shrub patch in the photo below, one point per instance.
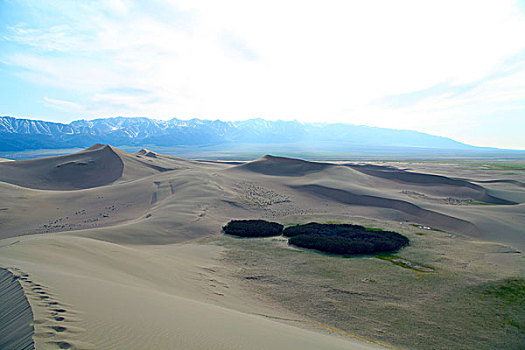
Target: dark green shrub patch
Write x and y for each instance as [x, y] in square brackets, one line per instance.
[253, 228]
[314, 228]
[344, 238]
[332, 244]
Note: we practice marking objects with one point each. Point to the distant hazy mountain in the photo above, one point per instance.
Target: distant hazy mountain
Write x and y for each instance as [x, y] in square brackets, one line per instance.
[21, 134]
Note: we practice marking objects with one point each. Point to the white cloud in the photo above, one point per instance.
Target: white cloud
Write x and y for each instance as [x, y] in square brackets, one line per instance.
[312, 61]
[62, 105]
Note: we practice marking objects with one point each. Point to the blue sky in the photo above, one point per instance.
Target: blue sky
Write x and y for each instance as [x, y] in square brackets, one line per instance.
[449, 68]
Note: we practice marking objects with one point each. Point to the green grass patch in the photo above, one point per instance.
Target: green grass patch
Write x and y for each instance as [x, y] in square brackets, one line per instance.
[511, 291]
[501, 166]
[402, 262]
[508, 297]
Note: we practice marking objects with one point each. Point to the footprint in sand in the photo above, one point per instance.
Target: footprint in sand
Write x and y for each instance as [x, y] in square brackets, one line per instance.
[62, 344]
[45, 334]
[59, 329]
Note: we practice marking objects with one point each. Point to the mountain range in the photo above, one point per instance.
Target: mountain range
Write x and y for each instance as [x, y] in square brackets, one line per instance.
[24, 134]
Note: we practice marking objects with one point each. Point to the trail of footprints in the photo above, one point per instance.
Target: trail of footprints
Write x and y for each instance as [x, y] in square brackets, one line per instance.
[214, 285]
[164, 190]
[57, 326]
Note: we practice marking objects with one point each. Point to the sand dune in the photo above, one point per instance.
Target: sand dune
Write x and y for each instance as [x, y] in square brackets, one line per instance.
[141, 193]
[141, 297]
[107, 237]
[412, 212]
[16, 328]
[505, 181]
[459, 187]
[280, 166]
[146, 153]
[93, 167]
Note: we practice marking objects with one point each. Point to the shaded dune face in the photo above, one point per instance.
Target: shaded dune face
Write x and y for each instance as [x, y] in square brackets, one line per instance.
[280, 166]
[505, 181]
[96, 166]
[16, 327]
[146, 153]
[433, 183]
[134, 164]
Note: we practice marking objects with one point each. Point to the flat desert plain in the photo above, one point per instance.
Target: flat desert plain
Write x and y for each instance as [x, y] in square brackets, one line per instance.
[117, 250]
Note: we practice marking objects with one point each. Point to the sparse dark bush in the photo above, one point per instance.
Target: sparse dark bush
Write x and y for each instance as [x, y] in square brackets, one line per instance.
[344, 238]
[253, 228]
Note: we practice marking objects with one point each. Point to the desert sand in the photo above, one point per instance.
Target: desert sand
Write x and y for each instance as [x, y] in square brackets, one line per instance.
[108, 245]
[16, 328]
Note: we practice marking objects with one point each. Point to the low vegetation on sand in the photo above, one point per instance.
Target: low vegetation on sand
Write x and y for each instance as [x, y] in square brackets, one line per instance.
[344, 238]
[471, 300]
[253, 228]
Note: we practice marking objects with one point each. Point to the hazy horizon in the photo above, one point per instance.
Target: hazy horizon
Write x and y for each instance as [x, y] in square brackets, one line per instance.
[447, 69]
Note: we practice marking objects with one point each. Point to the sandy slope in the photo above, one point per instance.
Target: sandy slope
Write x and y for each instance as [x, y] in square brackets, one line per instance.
[16, 328]
[112, 296]
[105, 233]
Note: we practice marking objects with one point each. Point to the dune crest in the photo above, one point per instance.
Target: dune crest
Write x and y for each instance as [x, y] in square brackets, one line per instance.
[281, 166]
[146, 153]
[95, 147]
[96, 166]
